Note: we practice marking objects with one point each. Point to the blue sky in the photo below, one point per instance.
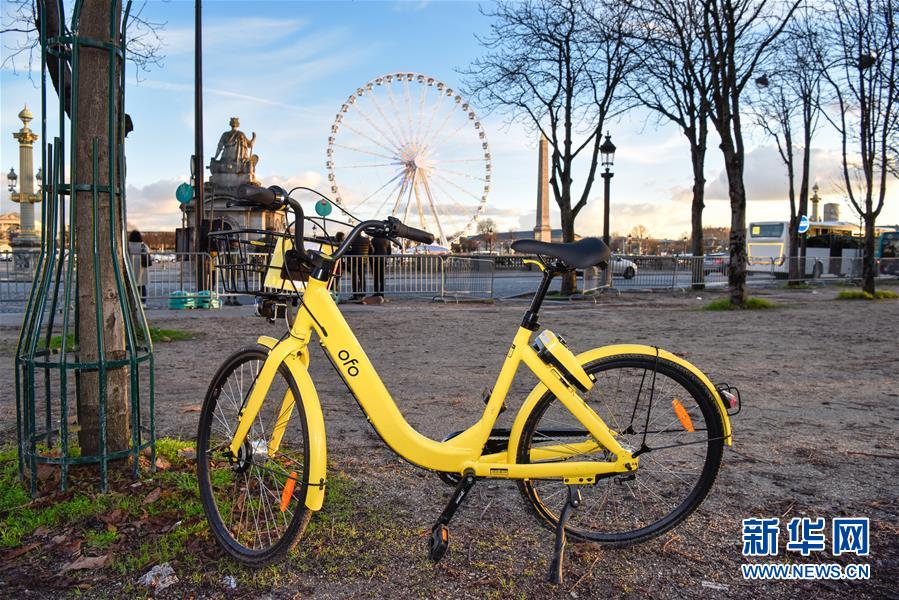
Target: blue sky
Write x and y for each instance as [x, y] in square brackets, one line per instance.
[286, 67]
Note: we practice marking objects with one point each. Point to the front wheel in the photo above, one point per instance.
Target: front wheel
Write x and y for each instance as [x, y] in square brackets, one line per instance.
[649, 403]
[255, 502]
[629, 273]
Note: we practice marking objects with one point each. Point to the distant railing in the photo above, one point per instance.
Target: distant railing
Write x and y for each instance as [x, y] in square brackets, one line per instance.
[17, 269]
[434, 275]
[171, 277]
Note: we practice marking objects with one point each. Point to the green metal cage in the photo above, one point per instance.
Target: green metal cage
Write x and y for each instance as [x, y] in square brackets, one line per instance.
[49, 361]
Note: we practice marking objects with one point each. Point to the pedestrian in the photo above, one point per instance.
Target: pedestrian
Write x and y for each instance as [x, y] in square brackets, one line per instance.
[381, 247]
[358, 259]
[140, 262]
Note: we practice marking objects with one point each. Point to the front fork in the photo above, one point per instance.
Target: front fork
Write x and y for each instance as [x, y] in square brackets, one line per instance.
[277, 355]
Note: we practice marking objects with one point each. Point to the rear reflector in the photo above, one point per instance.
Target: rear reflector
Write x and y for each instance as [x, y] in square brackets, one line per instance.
[287, 493]
[682, 415]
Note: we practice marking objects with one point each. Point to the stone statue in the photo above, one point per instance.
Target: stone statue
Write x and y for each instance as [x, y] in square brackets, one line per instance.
[234, 154]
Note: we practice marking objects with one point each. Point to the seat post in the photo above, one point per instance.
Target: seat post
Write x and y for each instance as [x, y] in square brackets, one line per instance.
[530, 317]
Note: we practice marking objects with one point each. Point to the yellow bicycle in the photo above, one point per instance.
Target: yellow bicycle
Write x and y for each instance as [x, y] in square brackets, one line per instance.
[615, 445]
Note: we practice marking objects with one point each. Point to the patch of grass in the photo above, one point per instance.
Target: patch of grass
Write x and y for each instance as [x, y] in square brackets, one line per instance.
[863, 295]
[751, 304]
[101, 539]
[170, 449]
[157, 334]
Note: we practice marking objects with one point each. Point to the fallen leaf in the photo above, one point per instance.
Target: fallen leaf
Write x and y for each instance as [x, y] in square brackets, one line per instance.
[58, 539]
[86, 562]
[193, 408]
[16, 552]
[72, 547]
[163, 463]
[153, 496]
[45, 471]
[113, 517]
[41, 531]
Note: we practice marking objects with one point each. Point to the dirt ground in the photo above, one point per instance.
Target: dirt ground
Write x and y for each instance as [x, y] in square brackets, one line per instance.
[817, 437]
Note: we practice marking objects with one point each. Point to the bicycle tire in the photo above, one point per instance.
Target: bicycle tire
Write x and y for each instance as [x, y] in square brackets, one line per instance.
[602, 532]
[209, 468]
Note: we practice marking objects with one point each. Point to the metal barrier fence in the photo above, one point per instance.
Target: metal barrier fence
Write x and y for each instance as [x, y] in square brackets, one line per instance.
[173, 275]
[437, 276]
[17, 269]
[171, 278]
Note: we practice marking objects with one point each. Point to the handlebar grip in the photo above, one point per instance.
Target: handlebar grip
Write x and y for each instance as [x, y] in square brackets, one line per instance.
[399, 229]
[265, 197]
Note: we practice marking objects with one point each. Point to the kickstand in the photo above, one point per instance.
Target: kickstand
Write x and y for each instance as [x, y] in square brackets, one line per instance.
[555, 567]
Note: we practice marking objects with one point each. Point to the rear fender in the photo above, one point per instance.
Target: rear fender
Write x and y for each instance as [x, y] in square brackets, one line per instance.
[597, 353]
[315, 424]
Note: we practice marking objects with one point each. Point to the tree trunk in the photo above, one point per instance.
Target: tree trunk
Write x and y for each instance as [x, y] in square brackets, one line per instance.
[93, 124]
[869, 268]
[697, 156]
[736, 271]
[569, 279]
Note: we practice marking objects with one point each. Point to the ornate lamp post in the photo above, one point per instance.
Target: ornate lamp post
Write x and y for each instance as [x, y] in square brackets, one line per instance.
[607, 151]
[27, 241]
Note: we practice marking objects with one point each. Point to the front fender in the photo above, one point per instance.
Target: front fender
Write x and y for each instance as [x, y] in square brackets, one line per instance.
[606, 351]
[315, 424]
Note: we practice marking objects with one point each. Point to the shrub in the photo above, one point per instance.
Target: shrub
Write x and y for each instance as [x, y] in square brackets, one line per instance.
[751, 304]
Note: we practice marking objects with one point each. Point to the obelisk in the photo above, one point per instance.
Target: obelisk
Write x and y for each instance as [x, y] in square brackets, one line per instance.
[543, 232]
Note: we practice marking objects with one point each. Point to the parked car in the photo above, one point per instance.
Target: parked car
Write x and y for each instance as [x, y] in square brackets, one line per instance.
[714, 263]
[624, 267]
[163, 257]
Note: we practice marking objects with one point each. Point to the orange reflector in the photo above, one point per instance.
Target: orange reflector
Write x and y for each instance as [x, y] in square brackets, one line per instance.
[682, 415]
[287, 493]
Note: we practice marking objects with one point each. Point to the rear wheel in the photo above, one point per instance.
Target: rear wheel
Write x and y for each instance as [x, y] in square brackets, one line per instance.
[629, 273]
[255, 502]
[647, 402]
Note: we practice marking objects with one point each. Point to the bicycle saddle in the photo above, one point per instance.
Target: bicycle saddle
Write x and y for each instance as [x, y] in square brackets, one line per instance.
[584, 253]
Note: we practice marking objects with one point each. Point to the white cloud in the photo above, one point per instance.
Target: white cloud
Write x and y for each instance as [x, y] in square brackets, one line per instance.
[153, 207]
[765, 175]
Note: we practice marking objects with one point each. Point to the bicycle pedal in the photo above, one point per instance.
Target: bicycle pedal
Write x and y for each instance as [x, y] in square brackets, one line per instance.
[438, 542]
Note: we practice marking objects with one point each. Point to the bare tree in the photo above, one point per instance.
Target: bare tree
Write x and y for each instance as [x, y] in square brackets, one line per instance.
[864, 75]
[737, 34]
[787, 109]
[555, 65]
[100, 20]
[672, 80]
[21, 23]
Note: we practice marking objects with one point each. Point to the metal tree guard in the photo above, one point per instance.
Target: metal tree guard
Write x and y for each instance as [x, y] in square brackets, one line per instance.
[45, 374]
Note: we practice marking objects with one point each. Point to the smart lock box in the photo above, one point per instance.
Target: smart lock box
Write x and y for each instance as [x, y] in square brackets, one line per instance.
[553, 350]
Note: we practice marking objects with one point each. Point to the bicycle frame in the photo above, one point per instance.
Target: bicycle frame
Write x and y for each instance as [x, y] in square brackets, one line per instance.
[460, 454]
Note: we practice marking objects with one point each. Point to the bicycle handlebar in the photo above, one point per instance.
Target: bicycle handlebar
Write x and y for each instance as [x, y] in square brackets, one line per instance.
[399, 229]
[271, 198]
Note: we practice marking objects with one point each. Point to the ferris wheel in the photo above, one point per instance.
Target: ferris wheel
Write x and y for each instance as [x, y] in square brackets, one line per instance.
[409, 146]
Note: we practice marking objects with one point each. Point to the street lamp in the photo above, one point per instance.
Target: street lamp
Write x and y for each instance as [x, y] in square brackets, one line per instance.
[12, 178]
[607, 150]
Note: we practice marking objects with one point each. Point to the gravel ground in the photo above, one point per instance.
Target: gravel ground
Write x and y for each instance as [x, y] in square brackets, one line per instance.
[817, 437]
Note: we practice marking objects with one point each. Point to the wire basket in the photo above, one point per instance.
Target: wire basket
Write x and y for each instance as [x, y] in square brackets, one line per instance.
[251, 261]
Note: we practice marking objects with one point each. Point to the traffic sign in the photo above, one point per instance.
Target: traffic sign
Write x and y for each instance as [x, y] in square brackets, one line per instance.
[323, 208]
[184, 193]
[803, 224]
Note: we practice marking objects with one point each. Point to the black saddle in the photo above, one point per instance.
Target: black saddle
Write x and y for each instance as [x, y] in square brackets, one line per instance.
[584, 253]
